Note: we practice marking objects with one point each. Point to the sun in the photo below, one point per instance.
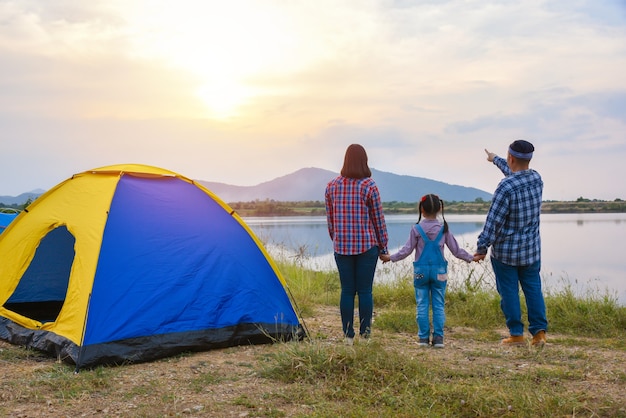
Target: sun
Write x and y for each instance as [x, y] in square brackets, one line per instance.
[223, 99]
[223, 46]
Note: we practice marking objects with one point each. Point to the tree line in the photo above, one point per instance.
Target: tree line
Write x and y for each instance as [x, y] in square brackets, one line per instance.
[271, 207]
[16, 206]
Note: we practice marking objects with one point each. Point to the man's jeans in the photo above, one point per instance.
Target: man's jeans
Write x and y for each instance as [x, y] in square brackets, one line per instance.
[508, 280]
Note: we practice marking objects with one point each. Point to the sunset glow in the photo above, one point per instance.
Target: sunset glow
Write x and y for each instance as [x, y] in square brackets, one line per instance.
[224, 46]
[245, 91]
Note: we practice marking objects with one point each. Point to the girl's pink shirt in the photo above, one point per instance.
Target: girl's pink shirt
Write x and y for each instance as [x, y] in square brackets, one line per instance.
[431, 227]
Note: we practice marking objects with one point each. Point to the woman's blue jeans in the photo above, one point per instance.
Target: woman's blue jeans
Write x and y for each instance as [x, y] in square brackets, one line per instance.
[430, 291]
[508, 281]
[356, 274]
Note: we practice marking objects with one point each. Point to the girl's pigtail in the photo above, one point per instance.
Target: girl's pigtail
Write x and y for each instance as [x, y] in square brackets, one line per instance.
[419, 209]
[445, 224]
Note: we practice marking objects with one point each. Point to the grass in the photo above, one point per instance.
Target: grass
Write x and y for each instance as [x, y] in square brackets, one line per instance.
[368, 380]
[373, 379]
[471, 301]
[580, 373]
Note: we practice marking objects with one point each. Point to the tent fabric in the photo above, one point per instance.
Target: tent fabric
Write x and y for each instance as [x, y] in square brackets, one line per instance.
[130, 263]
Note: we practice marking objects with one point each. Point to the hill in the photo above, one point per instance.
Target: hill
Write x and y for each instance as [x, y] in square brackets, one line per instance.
[308, 184]
[21, 199]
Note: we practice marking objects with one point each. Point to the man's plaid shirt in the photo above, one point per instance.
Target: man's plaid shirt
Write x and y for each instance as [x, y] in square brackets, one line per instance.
[512, 225]
[355, 215]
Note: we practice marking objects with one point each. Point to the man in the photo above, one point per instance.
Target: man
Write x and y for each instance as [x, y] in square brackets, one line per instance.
[512, 231]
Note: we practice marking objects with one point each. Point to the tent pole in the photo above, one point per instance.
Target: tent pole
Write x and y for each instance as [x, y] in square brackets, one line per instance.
[82, 337]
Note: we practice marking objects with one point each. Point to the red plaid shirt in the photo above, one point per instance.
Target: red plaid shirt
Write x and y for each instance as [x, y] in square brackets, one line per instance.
[355, 216]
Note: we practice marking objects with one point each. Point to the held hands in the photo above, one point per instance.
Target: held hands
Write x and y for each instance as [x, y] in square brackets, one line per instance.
[479, 257]
[385, 258]
[490, 155]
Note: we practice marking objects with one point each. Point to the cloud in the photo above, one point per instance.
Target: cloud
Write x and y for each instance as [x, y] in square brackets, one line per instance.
[560, 117]
[610, 104]
[425, 86]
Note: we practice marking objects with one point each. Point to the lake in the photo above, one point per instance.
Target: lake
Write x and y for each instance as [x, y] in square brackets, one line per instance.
[582, 251]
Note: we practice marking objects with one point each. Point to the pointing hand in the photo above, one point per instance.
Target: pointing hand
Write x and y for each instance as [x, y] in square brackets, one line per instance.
[490, 155]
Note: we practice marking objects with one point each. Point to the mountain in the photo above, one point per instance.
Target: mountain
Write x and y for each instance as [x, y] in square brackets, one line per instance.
[302, 185]
[23, 198]
[308, 184]
[400, 188]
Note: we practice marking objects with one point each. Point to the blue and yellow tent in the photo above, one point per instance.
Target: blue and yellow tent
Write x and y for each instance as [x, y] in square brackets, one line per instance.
[130, 263]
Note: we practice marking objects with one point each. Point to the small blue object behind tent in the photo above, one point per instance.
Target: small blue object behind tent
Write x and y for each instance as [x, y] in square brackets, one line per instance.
[6, 216]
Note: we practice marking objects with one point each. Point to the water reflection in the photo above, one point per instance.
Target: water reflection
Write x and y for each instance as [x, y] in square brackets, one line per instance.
[579, 250]
[311, 233]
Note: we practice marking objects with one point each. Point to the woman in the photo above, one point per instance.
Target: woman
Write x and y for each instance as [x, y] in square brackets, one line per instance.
[356, 225]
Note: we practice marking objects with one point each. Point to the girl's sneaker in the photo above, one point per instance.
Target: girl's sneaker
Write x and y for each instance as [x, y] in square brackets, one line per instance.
[438, 341]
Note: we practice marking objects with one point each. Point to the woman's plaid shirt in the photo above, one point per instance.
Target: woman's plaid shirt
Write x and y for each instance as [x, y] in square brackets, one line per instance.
[355, 215]
[512, 224]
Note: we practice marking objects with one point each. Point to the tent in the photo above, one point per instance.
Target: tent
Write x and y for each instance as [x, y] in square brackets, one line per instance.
[131, 263]
[6, 217]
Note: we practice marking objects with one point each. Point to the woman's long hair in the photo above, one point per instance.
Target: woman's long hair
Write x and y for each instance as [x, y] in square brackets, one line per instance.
[355, 163]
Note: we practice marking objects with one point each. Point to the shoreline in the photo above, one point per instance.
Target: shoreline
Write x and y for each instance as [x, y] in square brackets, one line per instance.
[317, 208]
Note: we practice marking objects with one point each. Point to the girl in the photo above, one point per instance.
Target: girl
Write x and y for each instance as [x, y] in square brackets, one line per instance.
[427, 238]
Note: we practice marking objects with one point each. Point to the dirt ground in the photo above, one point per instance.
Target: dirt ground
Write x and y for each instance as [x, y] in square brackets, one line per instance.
[226, 383]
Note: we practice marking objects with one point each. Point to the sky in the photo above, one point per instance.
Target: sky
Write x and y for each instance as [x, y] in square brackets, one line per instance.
[242, 92]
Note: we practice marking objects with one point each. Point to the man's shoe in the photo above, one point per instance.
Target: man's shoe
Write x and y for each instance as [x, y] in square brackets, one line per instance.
[349, 341]
[423, 342]
[513, 340]
[539, 339]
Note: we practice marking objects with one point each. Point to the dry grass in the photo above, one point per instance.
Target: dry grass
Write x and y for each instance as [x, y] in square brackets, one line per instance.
[472, 376]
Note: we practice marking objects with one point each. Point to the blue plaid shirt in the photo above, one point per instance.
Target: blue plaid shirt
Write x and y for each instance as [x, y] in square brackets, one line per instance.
[512, 225]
